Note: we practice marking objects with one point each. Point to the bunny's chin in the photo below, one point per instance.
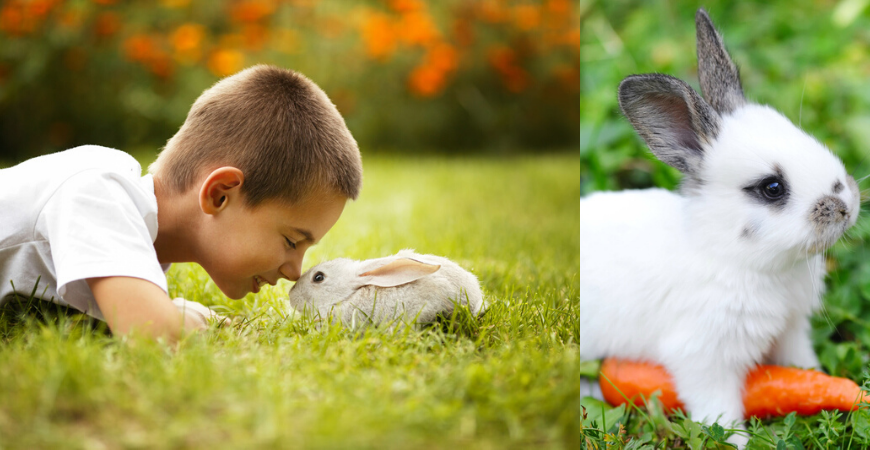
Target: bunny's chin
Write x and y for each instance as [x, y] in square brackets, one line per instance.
[825, 241]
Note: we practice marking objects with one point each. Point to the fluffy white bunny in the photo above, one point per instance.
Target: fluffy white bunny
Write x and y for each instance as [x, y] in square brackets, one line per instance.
[725, 274]
[403, 288]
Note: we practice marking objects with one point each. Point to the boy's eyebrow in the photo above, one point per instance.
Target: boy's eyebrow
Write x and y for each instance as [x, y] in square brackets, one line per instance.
[305, 233]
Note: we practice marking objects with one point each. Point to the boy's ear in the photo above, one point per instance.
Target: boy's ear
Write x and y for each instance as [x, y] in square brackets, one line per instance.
[220, 188]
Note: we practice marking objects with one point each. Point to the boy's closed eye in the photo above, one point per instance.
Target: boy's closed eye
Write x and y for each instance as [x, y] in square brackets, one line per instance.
[290, 243]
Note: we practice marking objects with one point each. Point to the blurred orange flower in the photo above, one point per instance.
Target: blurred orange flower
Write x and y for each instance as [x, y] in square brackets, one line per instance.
[443, 56]
[406, 6]
[107, 24]
[426, 81]
[41, 8]
[140, 47]
[187, 42]
[16, 20]
[71, 19]
[568, 76]
[571, 38]
[225, 62]
[463, 32]
[379, 35]
[504, 60]
[160, 64]
[493, 11]
[527, 17]
[417, 28]
[188, 37]
[105, 2]
[559, 6]
[255, 36]
[430, 77]
[252, 10]
[332, 26]
[146, 50]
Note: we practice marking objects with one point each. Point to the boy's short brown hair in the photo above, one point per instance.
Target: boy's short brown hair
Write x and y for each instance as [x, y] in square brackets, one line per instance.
[276, 126]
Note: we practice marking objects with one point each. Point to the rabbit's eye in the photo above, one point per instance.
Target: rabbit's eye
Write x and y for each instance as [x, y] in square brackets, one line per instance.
[773, 189]
[318, 277]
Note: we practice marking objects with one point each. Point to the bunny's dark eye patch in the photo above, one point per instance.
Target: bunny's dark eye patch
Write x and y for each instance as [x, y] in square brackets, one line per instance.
[770, 190]
[318, 277]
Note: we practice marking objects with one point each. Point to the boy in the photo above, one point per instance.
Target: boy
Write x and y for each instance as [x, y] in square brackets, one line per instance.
[260, 170]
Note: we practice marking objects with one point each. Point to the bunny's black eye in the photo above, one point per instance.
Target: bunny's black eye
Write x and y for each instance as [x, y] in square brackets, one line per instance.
[318, 277]
[772, 189]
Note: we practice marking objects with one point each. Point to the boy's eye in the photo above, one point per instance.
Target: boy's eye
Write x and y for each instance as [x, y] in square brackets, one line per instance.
[291, 244]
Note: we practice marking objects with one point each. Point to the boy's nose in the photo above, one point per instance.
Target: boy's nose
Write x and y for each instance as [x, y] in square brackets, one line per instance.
[291, 270]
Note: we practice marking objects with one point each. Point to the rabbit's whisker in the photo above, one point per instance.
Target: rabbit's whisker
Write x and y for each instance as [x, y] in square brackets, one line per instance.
[801, 105]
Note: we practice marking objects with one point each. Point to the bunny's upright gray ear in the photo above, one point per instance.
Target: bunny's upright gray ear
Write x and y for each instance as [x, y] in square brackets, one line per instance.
[671, 117]
[720, 79]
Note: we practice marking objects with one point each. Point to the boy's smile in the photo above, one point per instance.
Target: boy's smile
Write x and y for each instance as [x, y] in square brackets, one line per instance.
[263, 244]
[244, 247]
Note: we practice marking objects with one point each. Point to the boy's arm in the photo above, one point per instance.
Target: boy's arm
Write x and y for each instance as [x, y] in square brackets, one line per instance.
[130, 304]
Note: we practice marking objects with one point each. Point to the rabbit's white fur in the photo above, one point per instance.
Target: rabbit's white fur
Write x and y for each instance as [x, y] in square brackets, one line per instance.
[713, 281]
[356, 299]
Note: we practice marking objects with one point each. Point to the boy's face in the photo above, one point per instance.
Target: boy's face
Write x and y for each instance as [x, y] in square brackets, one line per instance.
[245, 247]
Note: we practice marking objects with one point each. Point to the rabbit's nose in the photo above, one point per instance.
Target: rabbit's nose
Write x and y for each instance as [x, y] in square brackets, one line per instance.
[829, 210]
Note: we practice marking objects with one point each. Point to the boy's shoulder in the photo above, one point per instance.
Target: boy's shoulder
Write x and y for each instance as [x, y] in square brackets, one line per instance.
[78, 179]
[79, 159]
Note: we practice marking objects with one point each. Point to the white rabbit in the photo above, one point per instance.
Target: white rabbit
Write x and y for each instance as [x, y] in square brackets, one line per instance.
[406, 287]
[725, 274]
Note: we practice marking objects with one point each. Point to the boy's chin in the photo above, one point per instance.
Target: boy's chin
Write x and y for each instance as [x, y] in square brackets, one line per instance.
[235, 292]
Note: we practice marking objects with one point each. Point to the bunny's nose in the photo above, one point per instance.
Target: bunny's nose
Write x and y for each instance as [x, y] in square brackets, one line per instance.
[828, 210]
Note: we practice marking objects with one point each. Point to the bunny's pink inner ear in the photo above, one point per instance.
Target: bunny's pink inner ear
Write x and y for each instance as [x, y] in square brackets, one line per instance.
[399, 272]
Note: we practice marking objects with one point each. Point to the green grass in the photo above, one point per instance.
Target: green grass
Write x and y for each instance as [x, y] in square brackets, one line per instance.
[505, 380]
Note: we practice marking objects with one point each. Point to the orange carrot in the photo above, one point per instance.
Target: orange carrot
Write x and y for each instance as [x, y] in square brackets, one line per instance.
[777, 391]
[769, 390]
[635, 379]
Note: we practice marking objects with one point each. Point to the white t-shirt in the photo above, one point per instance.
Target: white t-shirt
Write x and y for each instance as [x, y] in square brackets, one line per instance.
[82, 213]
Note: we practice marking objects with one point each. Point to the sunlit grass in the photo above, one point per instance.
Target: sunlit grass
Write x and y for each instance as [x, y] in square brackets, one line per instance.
[505, 380]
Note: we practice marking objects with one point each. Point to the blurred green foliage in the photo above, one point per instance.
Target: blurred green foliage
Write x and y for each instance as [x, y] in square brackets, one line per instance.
[447, 76]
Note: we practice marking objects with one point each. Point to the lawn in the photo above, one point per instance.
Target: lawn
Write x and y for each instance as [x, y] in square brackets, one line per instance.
[273, 380]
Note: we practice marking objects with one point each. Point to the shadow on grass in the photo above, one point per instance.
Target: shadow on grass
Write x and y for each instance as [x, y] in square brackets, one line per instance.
[19, 314]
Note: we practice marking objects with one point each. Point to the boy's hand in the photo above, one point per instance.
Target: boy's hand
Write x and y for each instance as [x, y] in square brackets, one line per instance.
[199, 311]
[130, 304]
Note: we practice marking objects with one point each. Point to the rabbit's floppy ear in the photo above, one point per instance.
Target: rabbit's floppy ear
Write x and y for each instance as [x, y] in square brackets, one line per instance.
[671, 117]
[720, 79]
[396, 273]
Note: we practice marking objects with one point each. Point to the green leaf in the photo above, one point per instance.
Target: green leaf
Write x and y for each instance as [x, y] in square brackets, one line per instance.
[716, 432]
[600, 415]
[590, 369]
[795, 443]
[861, 423]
